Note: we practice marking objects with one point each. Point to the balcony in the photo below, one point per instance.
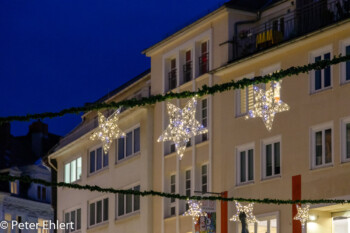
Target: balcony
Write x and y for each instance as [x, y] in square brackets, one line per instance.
[172, 79]
[187, 72]
[288, 25]
[204, 63]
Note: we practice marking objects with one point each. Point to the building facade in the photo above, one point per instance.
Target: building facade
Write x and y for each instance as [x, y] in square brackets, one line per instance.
[127, 165]
[306, 153]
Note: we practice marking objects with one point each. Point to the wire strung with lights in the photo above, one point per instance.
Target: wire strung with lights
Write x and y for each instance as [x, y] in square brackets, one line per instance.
[267, 104]
[107, 130]
[302, 215]
[182, 126]
[248, 210]
[195, 210]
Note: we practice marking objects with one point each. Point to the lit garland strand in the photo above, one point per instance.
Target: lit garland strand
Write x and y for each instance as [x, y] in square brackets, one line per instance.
[182, 126]
[267, 104]
[204, 90]
[195, 210]
[302, 215]
[107, 130]
[248, 210]
[95, 188]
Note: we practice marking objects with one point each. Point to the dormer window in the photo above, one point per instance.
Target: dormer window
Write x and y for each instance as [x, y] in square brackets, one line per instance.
[172, 74]
[187, 67]
[41, 193]
[204, 58]
[14, 187]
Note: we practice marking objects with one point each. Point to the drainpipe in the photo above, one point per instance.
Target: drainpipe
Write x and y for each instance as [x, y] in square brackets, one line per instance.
[258, 16]
[49, 160]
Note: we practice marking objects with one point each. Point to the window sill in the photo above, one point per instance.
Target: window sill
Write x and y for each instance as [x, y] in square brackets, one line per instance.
[271, 178]
[241, 115]
[322, 168]
[202, 143]
[345, 162]
[128, 216]
[98, 226]
[245, 184]
[344, 82]
[98, 172]
[200, 77]
[169, 218]
[313, 92]
[128, 159]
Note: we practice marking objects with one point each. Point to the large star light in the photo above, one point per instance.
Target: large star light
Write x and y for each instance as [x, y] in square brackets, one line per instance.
[267, 104]
[195, 210]
[302, 215]
[248, 210]
[182, 126]
[108, 130]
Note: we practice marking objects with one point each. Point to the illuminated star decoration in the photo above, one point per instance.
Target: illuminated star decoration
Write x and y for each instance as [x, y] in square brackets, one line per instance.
[248, 210]
[182, 126]
[302, 215]
[267, 104]
[195, 210]
[108, 130]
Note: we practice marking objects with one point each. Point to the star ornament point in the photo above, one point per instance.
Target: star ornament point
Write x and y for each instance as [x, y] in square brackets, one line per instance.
[182, 126]
[302, 215]
[248, 210]
[195, 210]
[107, 130]
[267, 104]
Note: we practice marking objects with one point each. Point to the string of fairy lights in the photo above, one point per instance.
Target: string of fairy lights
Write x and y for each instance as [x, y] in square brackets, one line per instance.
[183, 126]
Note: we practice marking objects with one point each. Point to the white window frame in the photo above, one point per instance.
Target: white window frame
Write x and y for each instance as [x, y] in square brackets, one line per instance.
[69, 211]
[76, 169]
[264, 217]
[312, 55]
[343, 150]
[133, 211]
[342, 46]
[89, 160]
[172, 203]
[132, 130]
[238, 94]
[102, 217]
[313, 130]
[239, 149]
[264, 143]
[207, 174]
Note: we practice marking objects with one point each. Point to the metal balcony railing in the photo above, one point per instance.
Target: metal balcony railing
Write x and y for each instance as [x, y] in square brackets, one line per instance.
[187, 72]
[288, 25]
[172, 79]
[204, 63]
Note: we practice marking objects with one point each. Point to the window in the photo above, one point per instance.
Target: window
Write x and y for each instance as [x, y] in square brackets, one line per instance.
[19, 220]
[72, 171]
[204, 107]
[244, 98]
[321, 146]
[204, 178]
[128, 204]
[266, 224]
[98, 212]
[271, 157]
[187, 185]
[41, 193]
[345, 134]
[345, 66]
[321, 79]
[73, 216]
[245, 164]
[98, 160]
[204, 58]
[187, 67]
[43, 226]
[129, 145]
[172, 190]
[14, 187]
[172, 82]
[8, 219]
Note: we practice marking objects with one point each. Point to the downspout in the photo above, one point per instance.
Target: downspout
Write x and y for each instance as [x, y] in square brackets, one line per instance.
[49, 160]
[240, 23]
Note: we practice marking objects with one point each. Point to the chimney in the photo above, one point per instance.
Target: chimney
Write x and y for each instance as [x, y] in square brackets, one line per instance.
[5, 131]
[38, 131]
[38, 127]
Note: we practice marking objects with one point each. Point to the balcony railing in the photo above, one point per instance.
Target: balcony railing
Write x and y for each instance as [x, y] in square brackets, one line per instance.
[204, 63]
[187, 72]
[289, 25]
[172, 79]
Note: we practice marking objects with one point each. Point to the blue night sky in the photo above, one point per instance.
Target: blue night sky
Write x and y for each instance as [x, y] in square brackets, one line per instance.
[56, 54]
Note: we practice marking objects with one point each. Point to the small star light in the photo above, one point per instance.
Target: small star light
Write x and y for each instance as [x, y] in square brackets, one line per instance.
[195, 210]
[302, 215]
[108, 130]
[267, 104]
[248, 210]
[182, 126]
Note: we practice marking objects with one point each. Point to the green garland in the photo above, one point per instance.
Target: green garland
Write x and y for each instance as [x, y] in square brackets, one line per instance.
[95, 188]
[204, 90]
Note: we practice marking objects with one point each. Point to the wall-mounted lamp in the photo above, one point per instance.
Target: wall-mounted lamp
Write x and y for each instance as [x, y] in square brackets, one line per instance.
[313, 218]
